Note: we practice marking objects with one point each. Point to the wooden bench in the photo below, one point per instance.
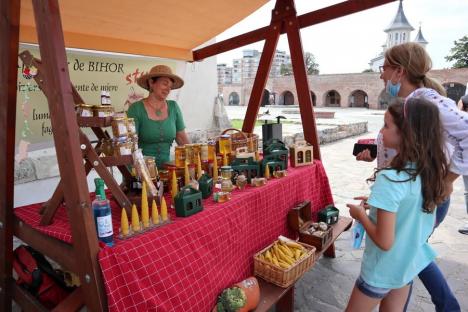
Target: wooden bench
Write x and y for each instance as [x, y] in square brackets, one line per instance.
[283, 298]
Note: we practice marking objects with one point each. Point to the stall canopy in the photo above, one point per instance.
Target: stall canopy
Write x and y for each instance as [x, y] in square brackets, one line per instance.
[163, 28]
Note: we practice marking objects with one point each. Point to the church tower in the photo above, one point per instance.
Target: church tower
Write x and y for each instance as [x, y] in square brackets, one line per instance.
[399, 29]
[420, 38]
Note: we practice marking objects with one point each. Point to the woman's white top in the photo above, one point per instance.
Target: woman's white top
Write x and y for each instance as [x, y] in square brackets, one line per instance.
[455, 127]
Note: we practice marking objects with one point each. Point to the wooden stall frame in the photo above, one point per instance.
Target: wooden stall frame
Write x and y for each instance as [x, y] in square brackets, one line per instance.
[81, 256]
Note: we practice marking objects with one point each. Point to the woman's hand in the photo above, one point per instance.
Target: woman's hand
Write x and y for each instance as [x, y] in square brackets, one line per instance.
[365, 155]
[357, 212]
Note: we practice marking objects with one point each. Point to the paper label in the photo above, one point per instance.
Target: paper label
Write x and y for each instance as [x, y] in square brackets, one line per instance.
[104, 226]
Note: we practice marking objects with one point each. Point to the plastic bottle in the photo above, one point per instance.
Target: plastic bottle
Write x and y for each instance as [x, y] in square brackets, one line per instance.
[102, 214]
[358, 233]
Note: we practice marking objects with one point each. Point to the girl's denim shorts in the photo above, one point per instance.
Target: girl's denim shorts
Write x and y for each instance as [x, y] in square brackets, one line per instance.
[371, 291]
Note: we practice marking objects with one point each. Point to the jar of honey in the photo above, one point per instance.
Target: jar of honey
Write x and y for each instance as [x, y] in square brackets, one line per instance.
[179, 157]
[84, 110]
[151, 165]
[211, 150]
[131, 126]
[204, 152]
[119, 127]
[225, 144]
[189, 154]
[103, 111]
[226, 183]
[122, 146]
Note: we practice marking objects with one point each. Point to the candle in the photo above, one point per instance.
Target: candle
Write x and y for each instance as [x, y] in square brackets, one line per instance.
[163, 209]
[135, 219]
[144, 207]
[199, 168]
[267, 172]
[154, 213]
[124, 223]
[186, 174]
[215, 169]
[174, 189]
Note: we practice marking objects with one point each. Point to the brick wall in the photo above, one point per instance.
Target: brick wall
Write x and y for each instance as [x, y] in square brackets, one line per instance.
[344, 84]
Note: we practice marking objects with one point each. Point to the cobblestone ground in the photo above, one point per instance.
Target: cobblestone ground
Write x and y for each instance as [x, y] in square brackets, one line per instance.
[327, 287]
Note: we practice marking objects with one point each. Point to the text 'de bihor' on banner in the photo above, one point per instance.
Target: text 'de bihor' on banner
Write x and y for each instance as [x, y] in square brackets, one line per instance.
[90, 73]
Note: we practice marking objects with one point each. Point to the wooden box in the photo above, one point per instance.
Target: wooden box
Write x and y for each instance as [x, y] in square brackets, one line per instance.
[301, 154]
[300, 220]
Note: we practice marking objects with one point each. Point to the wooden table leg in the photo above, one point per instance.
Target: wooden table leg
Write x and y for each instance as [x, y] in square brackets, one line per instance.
[286, 303]
[330, 252]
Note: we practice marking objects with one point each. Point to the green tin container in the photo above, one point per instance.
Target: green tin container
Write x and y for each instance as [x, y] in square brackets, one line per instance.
[205, 184]
[188, 202]
[329, 215]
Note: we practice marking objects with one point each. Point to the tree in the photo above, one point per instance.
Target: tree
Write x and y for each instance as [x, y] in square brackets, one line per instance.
[311, 65]
[369, 70]
[286, 69]
[459, 53]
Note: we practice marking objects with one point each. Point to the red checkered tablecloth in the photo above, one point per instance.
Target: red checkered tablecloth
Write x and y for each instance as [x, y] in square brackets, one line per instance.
[184, 265]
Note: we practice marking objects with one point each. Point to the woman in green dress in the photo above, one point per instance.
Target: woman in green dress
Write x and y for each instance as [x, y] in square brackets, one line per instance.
[158, 121]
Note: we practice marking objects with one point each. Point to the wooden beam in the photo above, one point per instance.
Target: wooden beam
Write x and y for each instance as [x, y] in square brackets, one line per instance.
[69, 156]
[27, 300]
[9, 38]
[55, 249]
[305, 20]
[261, 78]
[302, 84]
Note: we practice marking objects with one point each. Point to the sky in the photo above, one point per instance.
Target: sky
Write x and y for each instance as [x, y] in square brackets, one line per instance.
[345, 45]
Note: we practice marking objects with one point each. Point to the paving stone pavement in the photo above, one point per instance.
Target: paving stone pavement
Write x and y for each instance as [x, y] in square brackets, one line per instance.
[327, 287]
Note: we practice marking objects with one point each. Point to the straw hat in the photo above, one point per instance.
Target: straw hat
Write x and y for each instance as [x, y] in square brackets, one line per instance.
[160, 71]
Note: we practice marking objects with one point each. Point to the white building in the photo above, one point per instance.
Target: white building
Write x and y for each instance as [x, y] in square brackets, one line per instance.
[399, 31]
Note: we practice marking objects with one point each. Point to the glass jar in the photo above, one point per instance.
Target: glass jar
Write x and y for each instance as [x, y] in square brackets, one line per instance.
[196, 152]
[151, 165]
[122, 146]
[241, 181]
[134, 139]
[103, 111]
[84, 110]
[226, 183]
[131, 126]
[225, 146]
[211, 150]
[179, 156]
[189, 153]
[204, 152]
[107, 147]
[119, 127]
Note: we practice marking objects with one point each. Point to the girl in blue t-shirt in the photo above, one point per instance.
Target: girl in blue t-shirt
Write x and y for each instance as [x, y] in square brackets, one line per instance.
[401, 205]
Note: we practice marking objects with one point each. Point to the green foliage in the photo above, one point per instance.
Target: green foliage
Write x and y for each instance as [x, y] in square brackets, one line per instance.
[459, 53]
[369, 70]
[231, 300]
[311, 66]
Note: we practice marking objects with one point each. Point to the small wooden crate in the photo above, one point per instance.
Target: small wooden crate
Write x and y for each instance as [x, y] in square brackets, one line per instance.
[300, 218]
[281, 276]
[301, 153]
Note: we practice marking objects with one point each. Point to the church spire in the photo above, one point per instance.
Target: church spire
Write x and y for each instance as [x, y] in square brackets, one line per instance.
[400, 22]
[420, 38]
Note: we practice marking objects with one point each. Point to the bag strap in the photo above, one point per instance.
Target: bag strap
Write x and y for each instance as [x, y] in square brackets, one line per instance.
[44, 265]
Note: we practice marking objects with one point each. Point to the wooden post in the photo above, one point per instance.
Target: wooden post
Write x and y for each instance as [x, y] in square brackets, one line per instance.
[9, 38]
[69, 156]
[302, 83]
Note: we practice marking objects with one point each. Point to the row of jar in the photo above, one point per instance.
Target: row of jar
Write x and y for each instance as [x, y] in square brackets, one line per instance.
[88, 110]
[119, 146]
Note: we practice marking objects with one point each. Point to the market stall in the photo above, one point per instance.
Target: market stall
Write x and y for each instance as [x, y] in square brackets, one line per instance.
[92, 25]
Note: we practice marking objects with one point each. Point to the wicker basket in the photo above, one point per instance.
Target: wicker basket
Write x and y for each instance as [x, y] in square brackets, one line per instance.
[283, 277]
[242, 139]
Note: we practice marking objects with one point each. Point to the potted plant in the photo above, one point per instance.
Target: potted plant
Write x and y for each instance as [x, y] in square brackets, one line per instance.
[241, 297]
